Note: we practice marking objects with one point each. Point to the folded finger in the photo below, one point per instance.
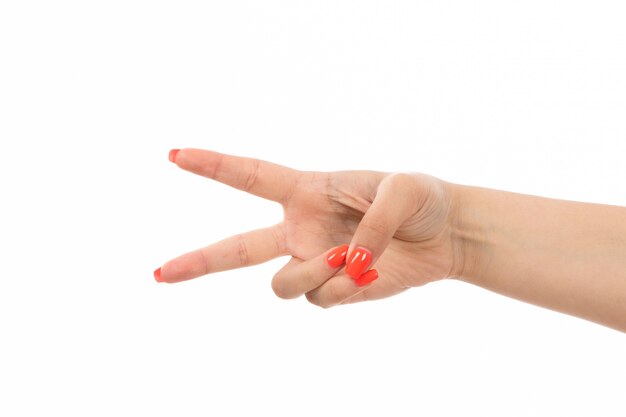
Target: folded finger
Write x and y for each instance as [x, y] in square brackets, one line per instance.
[298, 277]
[395, 201]
[340, 288]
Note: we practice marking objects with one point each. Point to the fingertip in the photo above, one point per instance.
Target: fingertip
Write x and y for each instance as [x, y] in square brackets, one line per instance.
[157, 275]
[360, 260]
[172, 155]
[337, 256]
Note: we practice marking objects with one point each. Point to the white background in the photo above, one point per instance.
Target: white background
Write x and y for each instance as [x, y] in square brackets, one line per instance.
[525, 96]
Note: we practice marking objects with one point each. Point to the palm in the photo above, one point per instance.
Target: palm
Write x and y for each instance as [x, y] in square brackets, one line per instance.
[325, 210]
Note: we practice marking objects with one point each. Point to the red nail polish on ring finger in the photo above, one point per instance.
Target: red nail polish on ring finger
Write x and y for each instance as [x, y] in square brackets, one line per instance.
[360, 260]
[366, 278]
[337, 256]
[172, 155]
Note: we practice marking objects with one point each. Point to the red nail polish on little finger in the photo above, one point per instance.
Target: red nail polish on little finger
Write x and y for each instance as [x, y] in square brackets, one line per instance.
[172, 155]
[366, 278]
[337, 256]
[360, 259]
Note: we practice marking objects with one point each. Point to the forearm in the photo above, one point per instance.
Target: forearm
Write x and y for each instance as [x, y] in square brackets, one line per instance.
[563, 255]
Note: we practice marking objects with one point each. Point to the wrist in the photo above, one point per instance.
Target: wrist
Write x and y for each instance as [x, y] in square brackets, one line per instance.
[469, 225]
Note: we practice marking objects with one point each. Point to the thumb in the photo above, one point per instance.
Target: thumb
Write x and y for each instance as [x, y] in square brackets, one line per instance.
[395, 201]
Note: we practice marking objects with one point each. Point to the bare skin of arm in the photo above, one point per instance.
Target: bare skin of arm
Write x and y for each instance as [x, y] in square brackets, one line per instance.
[563, 255]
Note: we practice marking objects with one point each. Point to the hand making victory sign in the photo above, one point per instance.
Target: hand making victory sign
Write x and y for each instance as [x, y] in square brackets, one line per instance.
[391, 231]
[363, 235]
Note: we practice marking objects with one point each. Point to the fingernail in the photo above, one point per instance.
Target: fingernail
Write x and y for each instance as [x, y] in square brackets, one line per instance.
[359, 261]
[157, 275]
[337, 256]
[366, 278]
[172, 155]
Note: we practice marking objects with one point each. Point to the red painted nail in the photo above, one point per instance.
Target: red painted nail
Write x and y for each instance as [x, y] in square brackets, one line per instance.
[157, 275]
[337, 256]
[172, 155]
[360, 259]
[366, 278]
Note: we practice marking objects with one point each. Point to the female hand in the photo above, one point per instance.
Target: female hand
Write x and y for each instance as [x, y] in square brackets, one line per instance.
[405, 220]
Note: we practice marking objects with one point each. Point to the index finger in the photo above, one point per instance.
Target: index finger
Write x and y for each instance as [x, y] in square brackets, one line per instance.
[261, 178]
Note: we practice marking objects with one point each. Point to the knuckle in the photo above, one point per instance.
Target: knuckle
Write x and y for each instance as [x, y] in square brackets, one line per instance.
[242, 251]
[280, 288]
[401, 180]
[314, 298]
[405, 185]
[311, 298]
[217, 167]
[205, 261]
[329, 295]
[252, 175]
[280, 239]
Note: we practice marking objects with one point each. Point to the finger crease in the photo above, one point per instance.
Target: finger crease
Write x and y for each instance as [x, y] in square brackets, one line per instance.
[243, 251]
[291, 191]
[217, 166]
[279, 239]
[205, 261]
[252, 176]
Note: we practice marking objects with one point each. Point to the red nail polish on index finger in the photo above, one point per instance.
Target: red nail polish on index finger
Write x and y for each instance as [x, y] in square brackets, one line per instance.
[360, 259]
[337, 256]
[172, 155]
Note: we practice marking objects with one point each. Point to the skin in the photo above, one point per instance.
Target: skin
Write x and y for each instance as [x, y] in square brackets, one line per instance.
[562, 255]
